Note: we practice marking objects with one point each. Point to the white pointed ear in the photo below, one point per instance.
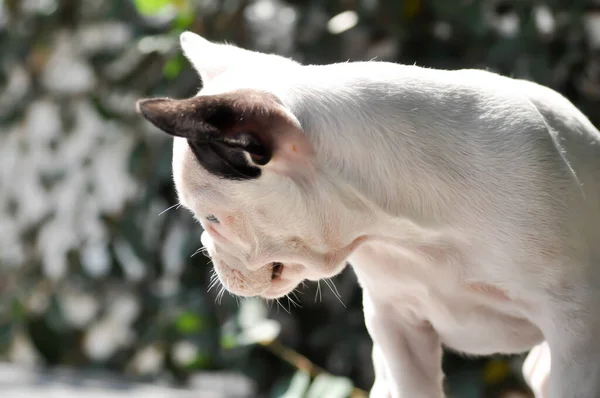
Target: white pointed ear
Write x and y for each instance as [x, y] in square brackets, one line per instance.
[208, 58]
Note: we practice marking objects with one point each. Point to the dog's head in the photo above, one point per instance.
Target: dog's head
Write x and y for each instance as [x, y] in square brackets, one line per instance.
[272, 215]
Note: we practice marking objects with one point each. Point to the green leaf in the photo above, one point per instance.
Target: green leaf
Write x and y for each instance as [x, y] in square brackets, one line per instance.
[18, 311]
[152, 7]
[173, 67]
[6, 335]
[330, 386]
[468, 17]
[228, 341]
[185, 18]
[202, 361]
[189, 323]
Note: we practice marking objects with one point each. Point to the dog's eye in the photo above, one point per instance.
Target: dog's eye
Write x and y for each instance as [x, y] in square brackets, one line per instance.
[212, 218]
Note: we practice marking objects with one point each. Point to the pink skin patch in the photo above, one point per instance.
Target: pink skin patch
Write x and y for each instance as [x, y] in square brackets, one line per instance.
[214, 234]
[488, 290]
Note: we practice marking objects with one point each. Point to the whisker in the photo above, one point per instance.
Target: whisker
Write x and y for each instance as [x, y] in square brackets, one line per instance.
[212, 284]
[318, 292]
[334, 287]
[281, 305]
[289, 310]
[219, 294]
[178, 205]
[200, 250]
[296, 297]
[226, 283]
[292, 302]
[334, 292]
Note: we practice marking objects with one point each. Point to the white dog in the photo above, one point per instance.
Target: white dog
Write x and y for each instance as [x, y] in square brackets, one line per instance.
[467, 203]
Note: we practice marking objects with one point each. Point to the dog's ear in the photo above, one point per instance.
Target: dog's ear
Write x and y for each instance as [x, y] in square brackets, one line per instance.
[210, 59]
[235, 134]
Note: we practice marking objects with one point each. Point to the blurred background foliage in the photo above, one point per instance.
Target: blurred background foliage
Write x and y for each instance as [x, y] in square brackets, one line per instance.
[97, 274]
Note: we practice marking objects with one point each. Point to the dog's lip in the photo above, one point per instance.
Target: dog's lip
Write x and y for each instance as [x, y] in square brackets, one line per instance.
[278, 289]
[275, 293]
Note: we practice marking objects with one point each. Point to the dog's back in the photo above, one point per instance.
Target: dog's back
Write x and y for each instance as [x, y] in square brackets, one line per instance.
[579, 142]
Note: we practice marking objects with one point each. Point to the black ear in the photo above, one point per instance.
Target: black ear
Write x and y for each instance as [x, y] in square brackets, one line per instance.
[222, 130]
[235, 134]
[211, 119]
[177, 118]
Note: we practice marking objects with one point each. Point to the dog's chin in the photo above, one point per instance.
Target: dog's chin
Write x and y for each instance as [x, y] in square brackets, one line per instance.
[316, 276]
[277, 290]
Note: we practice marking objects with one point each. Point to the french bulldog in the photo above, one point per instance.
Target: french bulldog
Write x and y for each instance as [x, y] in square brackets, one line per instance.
[466, 202]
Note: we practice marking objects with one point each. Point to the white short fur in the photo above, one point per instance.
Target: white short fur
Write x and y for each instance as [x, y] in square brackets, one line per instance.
[467, 203]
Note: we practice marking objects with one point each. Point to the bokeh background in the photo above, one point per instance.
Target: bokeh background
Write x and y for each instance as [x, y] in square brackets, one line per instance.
[97, 264]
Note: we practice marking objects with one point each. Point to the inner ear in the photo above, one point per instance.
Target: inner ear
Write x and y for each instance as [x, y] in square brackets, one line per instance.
[224, 161]
[247, 141]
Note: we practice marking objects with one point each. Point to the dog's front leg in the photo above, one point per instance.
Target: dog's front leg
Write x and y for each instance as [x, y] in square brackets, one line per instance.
[380, 387]
[536, 369]
[573, 335]
[407, 355]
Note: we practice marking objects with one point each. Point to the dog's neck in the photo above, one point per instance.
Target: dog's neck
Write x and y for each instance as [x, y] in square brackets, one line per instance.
[376, 151]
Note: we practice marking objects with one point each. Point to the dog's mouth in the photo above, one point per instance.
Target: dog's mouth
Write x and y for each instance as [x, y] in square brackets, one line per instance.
[284, 279]
[277, 271]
